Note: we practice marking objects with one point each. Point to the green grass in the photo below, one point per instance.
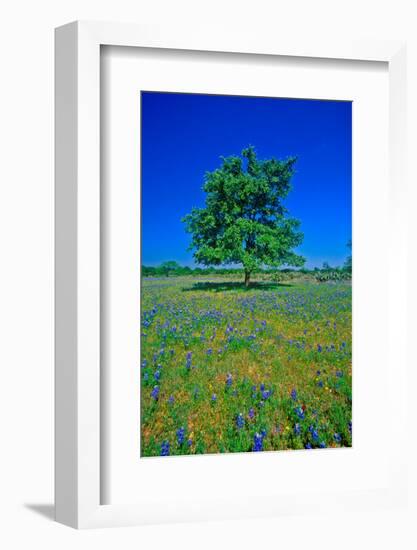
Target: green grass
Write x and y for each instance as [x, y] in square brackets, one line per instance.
[278, 337]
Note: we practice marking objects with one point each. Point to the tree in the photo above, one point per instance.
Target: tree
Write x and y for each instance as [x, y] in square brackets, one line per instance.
[169, 267]
[244, 221]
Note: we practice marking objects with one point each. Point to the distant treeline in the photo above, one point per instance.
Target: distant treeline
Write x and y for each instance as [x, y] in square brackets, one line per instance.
[173, 269]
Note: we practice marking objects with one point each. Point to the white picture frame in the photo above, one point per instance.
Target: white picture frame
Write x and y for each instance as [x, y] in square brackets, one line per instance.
[77, 242]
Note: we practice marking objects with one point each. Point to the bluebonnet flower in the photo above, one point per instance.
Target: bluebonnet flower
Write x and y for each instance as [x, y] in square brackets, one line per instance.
[294, 394]
[297, 429]
[262, 387]
[180, 435]
[209, 351]
[314, 434]
[350, 426]
[308, 445]
[171, 399]
[299, 412]
[155, 393]
[339, 374]
[240, 421]
[261, 403]
[251, 413]
[146, 376]
[320, 383]
[266, 394]
[337, 438]
[322, 445]
[263, 323]
[165, 448]
[188, 360]
[258, 442]
[229, 379]
[318, 372]
[214, 398]
[253, 392]
[263, 433]
[144, 363]
[189, 442]
[157, 375]
[319, 348]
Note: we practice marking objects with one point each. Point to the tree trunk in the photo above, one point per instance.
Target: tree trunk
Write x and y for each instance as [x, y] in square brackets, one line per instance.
[247, 278]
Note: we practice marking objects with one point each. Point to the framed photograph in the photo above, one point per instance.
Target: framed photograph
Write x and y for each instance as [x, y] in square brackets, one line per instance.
[226, 342]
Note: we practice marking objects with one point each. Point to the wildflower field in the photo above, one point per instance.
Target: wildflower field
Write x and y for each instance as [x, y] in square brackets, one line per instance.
[229, 369]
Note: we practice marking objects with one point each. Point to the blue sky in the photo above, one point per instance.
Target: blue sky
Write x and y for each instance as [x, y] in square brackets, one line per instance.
[183, 136]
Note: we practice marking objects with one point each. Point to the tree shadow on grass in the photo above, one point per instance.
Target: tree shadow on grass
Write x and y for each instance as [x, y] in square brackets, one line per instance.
[233, 285]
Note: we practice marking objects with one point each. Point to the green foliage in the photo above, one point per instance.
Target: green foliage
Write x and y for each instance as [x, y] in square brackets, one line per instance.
[278, 276]
[179, 270]
[166, 269]
[244, 220]
[261, 274]
[347, 266]
[329, 274]
[169, 267]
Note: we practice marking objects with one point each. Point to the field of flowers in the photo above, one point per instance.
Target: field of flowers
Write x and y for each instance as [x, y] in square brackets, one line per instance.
[225, 369]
